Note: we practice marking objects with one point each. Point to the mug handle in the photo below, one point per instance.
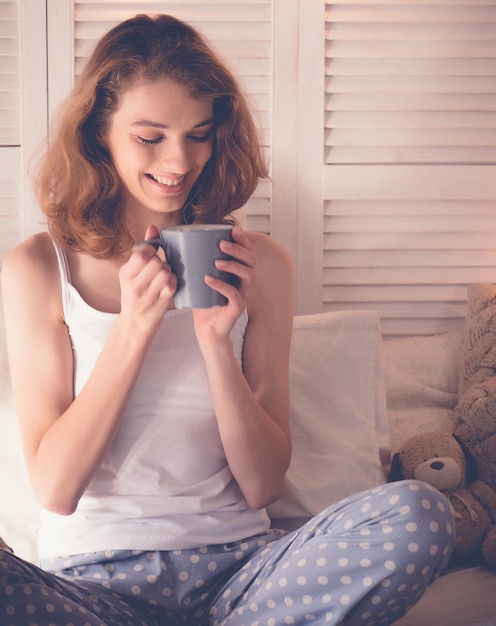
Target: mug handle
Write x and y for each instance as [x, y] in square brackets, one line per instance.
[156, 242]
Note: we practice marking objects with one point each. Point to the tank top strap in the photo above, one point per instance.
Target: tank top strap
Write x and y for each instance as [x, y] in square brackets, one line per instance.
[65, 273]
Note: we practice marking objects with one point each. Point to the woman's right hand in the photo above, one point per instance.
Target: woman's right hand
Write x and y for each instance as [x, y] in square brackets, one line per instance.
[57, 427]
[147, 287]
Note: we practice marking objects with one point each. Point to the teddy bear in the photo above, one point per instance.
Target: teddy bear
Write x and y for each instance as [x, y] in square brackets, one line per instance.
[442, 460]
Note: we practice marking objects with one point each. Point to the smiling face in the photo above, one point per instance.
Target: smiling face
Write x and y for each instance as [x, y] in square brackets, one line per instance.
[159, 139]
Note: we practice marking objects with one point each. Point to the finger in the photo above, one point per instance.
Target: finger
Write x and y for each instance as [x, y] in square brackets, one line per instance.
[239, 235]
[242, 253]
[164, 284]
[137, 261]
[242, 271]
[232, 295]
[142, 266]
[152, 232]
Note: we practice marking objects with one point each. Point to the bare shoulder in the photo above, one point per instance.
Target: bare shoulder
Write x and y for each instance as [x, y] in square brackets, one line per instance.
[273, 286]
[33, 249]
[36, 251]
[31, 266]
[270, 254]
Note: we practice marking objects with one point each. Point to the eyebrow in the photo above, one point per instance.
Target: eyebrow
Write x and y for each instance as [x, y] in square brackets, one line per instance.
[165, 126]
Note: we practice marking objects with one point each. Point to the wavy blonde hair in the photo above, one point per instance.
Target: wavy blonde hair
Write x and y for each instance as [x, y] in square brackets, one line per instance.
[77, 185]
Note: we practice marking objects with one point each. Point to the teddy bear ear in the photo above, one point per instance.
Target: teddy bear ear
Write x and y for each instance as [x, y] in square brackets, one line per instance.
[395, 473]
[470, 460]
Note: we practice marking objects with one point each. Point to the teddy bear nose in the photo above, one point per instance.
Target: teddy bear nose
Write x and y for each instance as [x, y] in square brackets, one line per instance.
[437, 465]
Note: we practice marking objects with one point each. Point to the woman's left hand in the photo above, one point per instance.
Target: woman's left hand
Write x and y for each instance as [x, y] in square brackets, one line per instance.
[215, 323]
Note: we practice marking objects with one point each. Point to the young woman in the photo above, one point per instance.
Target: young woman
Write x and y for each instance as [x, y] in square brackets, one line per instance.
[154, 437]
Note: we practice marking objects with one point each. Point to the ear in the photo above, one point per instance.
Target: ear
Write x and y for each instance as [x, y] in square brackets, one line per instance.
[395, 473]
[470, 460]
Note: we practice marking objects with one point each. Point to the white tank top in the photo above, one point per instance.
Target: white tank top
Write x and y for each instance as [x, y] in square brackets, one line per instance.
[164, 483]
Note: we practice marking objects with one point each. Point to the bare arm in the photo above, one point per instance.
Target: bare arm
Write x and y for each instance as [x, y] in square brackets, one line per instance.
[64, 438]
[252, 405]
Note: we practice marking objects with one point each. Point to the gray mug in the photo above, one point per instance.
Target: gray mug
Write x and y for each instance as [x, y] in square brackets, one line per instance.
[191, 251]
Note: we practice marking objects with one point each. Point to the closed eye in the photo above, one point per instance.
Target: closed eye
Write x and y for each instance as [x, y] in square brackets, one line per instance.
[196, 138]
[149, 142]
[201, 138]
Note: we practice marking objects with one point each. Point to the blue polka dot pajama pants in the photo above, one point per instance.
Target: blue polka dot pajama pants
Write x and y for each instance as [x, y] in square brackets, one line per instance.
[365, 560]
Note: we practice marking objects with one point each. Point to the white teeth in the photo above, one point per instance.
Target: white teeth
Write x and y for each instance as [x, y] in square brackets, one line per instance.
[169, 182]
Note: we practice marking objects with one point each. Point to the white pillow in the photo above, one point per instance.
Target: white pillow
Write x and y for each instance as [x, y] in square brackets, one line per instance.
[337, 411]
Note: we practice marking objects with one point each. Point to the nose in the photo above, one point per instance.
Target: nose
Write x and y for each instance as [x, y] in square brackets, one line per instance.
[175, 156]
[437, 465]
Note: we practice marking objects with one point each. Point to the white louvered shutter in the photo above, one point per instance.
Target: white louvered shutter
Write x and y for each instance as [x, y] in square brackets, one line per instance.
[23, 115]
[240, 31]
[409, 152]
[10, 126]
[378, 118]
